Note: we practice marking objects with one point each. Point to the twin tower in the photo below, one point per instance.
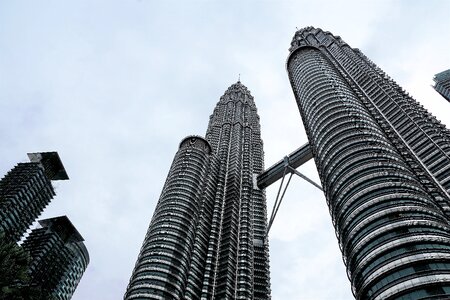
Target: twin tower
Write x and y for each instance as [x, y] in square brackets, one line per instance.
[384, 166]
[207, 235]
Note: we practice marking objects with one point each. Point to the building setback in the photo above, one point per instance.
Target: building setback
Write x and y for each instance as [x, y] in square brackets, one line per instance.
[442, 84]
[58, 258]
[206, 239]
[26, 190]
[384, 164]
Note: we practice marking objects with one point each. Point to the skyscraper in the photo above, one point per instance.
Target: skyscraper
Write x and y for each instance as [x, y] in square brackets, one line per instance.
[442, 84]
[58, 255]
[384, 164]
[26, 190]
[58, 258]
[206, 239]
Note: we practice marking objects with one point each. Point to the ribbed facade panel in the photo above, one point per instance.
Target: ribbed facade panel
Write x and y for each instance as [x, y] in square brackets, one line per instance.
[207, 238]
[203, 231]
[388, 202]
[239, 265]
[164, 262]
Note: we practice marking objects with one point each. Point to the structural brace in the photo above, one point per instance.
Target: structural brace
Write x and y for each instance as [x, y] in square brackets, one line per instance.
[280, 170]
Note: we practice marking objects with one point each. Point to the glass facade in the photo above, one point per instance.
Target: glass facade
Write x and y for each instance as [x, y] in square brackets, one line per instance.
[206, 239]
[384, 164]
[58, 258]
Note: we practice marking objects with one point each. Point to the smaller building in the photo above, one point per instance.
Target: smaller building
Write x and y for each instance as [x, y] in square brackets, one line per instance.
[442, 84]
[26, 190]
[58, 257]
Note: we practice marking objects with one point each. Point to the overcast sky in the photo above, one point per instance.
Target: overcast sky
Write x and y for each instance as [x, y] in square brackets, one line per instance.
[114, 86]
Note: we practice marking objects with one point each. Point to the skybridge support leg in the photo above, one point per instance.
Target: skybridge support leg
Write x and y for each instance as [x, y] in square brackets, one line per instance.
[287, 169]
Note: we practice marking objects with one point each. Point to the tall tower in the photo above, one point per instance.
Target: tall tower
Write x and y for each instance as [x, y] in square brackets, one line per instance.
[237, 265]
[384, 164]
[26, 190]
[206, 239]
[58, 258]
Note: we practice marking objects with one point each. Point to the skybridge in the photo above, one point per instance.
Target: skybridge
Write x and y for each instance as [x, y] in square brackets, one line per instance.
[288, 165]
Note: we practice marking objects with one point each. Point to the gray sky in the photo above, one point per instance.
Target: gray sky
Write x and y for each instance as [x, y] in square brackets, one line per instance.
[114, 86]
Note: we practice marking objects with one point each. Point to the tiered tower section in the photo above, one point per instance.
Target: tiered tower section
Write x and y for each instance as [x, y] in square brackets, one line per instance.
[206, 239]
[384, 164]
[58, 258]
[164, 262]
[26, 190]
[238, 263]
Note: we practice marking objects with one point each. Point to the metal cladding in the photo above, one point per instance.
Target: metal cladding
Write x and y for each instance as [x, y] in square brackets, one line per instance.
[238, 259]
[24, 193]
[384, 164]
[58, 258]
[162, 268]
[206, 239]
[442, 84]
